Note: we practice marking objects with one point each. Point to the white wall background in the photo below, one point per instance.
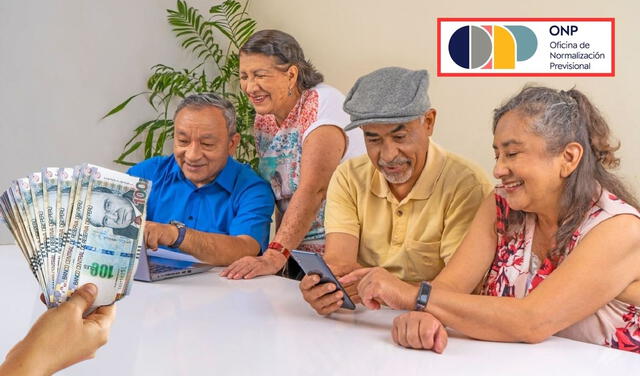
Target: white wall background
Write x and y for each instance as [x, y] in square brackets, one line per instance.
[347, 39]
[65, 63]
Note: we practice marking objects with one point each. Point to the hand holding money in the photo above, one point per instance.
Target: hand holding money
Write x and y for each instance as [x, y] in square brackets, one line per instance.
[61, 336]
[77, 226]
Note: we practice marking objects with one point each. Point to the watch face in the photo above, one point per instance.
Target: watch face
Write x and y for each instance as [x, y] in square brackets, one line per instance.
[177, 224]
[423, 296]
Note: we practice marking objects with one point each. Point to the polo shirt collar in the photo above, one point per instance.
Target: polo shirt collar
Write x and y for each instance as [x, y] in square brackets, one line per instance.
[226, 177]
[423, 187]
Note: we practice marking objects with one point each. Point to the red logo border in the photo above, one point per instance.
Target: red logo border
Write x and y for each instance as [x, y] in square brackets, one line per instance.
[613, 48]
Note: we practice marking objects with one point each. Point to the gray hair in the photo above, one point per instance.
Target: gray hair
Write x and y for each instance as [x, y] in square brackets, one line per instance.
[287, 52]
[562, 117]
[202, 100]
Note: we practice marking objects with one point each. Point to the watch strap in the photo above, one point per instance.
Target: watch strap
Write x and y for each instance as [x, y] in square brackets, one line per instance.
[182, 231]
[423, 296]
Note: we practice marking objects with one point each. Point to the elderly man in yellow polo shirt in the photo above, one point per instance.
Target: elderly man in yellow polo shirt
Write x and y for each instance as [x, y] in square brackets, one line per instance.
[407, 204]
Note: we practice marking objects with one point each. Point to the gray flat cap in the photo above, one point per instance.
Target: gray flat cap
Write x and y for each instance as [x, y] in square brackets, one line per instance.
[388, 96]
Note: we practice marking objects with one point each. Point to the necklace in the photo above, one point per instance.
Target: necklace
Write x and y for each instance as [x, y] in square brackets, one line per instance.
[544, 243]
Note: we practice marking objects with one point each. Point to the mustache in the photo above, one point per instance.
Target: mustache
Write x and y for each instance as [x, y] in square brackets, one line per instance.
[397, 161]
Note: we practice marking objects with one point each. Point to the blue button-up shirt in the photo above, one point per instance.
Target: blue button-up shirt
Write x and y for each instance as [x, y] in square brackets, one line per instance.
[236, 202]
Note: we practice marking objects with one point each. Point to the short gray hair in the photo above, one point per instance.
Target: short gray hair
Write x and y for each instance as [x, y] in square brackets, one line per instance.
[202, 100]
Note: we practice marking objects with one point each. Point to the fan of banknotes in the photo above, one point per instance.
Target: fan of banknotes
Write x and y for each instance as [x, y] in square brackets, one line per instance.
[78, 225]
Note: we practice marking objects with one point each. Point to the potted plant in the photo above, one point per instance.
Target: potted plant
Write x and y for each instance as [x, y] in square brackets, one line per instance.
[166, 85]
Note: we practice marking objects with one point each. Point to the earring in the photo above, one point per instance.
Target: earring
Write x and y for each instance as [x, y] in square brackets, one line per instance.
[289, 91]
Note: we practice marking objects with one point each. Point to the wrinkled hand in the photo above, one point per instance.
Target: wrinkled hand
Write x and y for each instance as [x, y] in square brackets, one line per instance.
[61, 337]
[325, 298]
[253, 266]
[157, 234]
[419, 330]
[377, 286]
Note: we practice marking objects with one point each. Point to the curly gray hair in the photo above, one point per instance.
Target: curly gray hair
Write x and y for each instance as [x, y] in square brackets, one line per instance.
[561, 117]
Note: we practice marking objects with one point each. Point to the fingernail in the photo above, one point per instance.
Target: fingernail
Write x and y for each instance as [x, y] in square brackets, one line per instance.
[91, 288]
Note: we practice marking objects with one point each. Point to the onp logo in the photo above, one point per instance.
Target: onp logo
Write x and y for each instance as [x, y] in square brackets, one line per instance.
[492, 46]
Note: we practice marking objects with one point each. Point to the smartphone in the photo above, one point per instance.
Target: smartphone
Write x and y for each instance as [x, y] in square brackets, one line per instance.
[313, 263]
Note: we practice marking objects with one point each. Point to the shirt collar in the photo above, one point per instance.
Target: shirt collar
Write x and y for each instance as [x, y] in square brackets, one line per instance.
[423, 187]
[226, 177]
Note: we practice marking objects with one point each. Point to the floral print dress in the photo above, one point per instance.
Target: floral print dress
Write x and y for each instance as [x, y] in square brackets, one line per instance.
[279, 147]
[516, 271]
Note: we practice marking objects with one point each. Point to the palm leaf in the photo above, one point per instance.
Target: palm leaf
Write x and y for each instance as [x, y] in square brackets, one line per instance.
[231, 19]
[192, 29]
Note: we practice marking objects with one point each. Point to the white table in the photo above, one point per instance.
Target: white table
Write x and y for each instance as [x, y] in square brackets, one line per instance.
[204, 324]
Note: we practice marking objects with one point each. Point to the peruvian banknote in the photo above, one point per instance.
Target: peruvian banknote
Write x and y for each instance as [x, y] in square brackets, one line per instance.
[78, 225]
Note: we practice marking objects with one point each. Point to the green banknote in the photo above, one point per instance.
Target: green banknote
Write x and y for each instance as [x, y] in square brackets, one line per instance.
[78, 225]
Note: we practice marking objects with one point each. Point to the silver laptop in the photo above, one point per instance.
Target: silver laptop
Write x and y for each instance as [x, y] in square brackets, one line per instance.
[155, 268]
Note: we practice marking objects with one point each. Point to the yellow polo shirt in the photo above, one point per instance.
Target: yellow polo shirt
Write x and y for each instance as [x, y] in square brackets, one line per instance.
[416, 237]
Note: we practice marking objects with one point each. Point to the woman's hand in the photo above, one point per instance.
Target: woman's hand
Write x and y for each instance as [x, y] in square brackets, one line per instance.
[377, 286]
[62, 337]
[253, 266]
[419, 330]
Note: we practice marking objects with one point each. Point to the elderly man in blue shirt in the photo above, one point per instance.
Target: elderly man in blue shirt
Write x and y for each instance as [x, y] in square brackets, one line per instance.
[203, 202]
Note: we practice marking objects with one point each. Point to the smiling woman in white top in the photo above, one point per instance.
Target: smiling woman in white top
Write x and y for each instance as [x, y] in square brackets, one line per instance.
[300, 141]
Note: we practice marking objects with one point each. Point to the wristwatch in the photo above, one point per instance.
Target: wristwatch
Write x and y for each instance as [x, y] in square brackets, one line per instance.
[182, 230]
[280, 248]
[423, 296]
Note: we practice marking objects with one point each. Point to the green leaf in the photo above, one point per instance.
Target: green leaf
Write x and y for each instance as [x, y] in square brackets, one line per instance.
[131, 149]
[138, 131]
[193, 31]
[222, 29]
[126, 163]
[160, 142]
[122, 105]
[148, 144]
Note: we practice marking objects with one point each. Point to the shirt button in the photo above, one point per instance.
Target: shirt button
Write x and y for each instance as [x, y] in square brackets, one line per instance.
[399, 212]
[190, 217]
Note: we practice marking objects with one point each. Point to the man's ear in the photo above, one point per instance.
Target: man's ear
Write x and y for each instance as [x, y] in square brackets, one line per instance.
[571, 156]
[429, 120]
[234, 141]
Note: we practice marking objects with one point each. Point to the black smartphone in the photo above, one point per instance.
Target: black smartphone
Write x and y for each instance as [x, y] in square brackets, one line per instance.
[313, 263]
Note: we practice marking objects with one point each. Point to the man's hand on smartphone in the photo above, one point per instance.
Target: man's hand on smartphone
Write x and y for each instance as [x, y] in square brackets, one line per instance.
[351, 288]
[325, 298]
